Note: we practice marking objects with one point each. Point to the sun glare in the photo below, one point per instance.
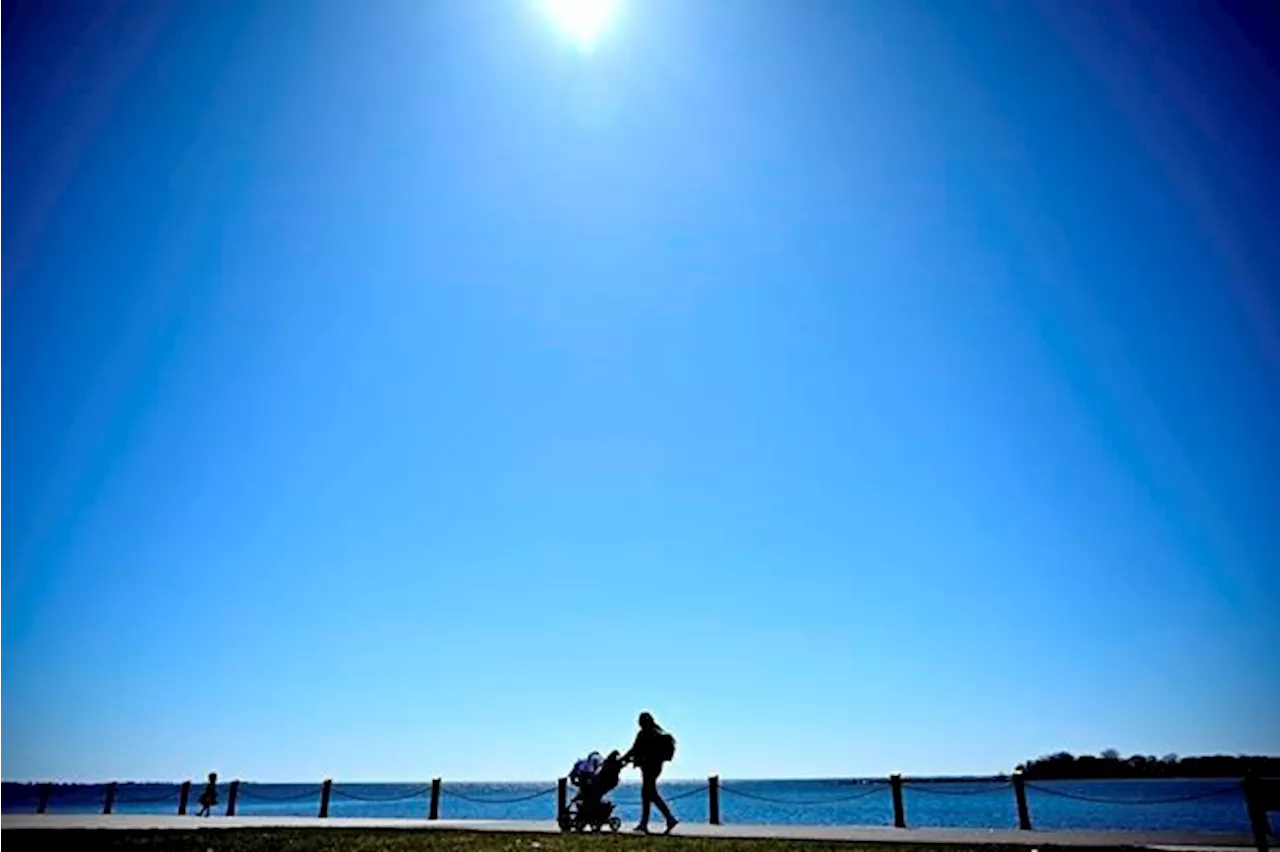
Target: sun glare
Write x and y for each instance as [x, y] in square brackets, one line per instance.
[583, 21]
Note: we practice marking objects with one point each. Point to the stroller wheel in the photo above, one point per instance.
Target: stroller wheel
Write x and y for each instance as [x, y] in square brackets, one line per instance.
[614, 823]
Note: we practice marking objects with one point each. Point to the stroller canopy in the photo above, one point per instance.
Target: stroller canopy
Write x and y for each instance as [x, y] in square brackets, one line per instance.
[587, 767]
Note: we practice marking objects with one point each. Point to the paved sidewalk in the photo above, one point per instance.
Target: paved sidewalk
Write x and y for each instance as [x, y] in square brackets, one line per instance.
[1162, 840]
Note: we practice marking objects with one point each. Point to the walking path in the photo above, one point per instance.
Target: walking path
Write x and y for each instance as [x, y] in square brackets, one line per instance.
[1161, 840]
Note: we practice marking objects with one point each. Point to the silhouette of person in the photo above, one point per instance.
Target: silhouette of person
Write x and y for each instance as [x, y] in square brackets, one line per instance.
[652, 748]
[209, 797]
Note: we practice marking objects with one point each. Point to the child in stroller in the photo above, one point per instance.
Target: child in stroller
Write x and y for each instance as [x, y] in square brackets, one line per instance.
[594, 778]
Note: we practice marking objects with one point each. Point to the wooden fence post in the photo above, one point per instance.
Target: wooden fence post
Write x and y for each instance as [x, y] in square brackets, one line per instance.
[713, 800]
[1257, 809]
[899, 813]
[184, 795]
[325, 788]
[434, 812]
[562, 801]
[231, 797]
[109, 800]
[1020, 793]
[42, 801]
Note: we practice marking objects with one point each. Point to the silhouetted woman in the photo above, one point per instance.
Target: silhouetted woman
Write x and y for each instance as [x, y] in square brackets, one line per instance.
[652, 748]
[209, 797]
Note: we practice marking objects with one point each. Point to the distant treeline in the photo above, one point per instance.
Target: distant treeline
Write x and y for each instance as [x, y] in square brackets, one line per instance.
[1110, 764]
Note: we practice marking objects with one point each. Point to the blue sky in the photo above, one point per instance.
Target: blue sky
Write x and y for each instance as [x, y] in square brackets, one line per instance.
[394, 390]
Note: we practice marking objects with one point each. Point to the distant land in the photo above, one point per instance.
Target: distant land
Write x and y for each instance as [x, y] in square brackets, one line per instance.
[1110, 764]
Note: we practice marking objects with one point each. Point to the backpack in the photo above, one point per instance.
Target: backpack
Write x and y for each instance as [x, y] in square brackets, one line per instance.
[666, 746]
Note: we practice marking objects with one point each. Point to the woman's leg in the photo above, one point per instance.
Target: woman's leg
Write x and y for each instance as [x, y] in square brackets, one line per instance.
[649, 793]
[662, 805]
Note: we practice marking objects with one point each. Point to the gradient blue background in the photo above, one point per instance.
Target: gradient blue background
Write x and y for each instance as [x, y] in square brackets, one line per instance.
[394, 391]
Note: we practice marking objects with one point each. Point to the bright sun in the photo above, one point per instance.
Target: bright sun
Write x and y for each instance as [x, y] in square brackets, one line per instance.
[583, 21]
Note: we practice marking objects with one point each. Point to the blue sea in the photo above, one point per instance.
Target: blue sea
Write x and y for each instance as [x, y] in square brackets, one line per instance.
[1189, 805]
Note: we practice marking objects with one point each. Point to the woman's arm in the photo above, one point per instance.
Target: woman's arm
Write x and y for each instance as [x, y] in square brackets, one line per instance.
[631, 752]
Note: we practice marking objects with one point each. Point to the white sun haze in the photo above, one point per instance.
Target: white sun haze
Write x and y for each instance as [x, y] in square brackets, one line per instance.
[583, 21]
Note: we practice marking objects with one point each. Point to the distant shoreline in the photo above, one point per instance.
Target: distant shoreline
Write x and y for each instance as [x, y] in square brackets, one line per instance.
[842, 782]
[1110, 766]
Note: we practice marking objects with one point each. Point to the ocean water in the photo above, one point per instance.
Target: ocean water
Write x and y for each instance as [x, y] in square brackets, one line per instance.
[1187, 805]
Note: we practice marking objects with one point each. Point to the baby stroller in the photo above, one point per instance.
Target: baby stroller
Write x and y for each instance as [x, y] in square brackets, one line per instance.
[593, 778]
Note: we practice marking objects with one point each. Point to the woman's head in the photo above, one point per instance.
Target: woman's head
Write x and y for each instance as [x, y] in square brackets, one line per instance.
[646, 721]
[213, 776]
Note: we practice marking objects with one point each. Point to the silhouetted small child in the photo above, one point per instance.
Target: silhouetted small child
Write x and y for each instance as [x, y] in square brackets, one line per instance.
[209, 797]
